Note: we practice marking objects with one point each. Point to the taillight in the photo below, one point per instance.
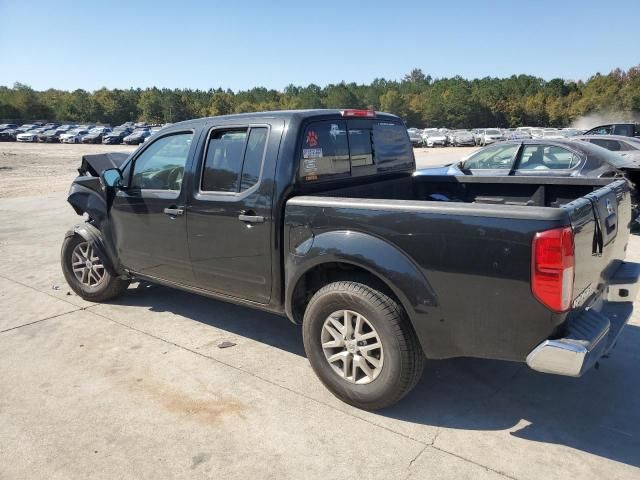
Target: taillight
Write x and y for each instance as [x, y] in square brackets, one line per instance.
[552, 268]
[358, 113]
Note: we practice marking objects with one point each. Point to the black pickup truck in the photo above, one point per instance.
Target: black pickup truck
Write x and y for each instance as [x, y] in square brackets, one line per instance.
[318, 215]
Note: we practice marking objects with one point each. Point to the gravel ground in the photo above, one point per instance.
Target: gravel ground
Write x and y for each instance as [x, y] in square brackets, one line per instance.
[37, 168]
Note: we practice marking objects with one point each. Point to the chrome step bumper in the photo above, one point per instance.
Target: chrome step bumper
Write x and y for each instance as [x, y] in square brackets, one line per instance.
[593, 333]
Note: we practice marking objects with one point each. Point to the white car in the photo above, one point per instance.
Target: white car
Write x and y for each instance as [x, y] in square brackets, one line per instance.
[30, 136]
[552, 133]
[490, 135]
[73, 136]
[435, 138]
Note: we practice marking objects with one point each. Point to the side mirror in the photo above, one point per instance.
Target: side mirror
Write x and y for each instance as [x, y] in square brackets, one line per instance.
[111, 178]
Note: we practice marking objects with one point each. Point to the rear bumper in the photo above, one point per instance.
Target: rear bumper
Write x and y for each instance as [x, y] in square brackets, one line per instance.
[594, 332]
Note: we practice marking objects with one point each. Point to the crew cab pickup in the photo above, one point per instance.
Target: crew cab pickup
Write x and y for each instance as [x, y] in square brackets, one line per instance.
[318, 215]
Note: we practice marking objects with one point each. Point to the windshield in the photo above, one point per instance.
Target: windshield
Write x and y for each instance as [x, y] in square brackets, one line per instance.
[493, 131]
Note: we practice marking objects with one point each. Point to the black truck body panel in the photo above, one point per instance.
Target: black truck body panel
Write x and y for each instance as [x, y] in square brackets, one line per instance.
[456, 252]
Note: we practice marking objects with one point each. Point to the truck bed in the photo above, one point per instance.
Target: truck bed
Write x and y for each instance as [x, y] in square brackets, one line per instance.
[471, 240]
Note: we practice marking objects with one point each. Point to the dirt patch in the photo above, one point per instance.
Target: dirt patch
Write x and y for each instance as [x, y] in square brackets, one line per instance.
[208, 409]
[28, 169]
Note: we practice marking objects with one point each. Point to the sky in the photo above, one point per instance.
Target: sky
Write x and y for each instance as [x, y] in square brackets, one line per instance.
[270, 43]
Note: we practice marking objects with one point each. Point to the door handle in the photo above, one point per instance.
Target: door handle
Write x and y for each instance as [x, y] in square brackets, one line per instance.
[250, 217]
[173, 212]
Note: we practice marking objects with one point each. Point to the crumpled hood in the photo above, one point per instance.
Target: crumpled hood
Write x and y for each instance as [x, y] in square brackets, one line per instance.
[97, 163]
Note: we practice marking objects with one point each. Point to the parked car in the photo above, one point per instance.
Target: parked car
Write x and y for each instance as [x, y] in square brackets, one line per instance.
[29, 136]
[8, 135]
[536, 132]
[73, 136]
[95, 135]
[517, 134]
[152, 132]
[51, 135]
[137, 136]
[116, 136]
[415, 137]
[624, 129]
[8, 126]
[489, 135]
[26, 127]
[571, 132]
[296, 213]
[627, 147]
[555, 157]
[434, 138]
[461, 138]
[552, 133]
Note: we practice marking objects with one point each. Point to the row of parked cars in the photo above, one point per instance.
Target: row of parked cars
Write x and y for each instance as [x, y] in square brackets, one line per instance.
[433, 137]
[129, 133]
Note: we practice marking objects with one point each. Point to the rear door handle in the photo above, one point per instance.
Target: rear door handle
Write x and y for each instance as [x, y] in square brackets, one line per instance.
[174, 211]
[249, 217]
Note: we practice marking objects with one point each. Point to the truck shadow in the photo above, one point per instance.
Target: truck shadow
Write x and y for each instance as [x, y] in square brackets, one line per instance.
[598, 413]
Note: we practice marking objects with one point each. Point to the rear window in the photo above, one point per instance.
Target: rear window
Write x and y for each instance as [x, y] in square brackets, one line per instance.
[342, 148]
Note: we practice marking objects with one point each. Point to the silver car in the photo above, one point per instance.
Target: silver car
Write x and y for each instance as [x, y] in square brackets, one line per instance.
[490, 135]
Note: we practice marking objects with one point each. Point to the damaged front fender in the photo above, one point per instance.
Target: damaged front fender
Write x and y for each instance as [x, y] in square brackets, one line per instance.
[94, 236]
[87, 195]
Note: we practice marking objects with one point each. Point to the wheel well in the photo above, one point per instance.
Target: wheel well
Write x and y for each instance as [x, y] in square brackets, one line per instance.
[317, 277]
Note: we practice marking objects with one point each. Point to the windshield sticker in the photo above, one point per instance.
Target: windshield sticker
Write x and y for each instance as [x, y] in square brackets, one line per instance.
[311, 153]
[309, 165]
[312, 138]
[334, 130]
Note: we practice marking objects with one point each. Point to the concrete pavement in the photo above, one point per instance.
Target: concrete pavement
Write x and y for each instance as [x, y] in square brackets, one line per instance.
[138, 388]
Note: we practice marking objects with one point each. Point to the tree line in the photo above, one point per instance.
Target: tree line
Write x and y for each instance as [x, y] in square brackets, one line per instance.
[419, 99]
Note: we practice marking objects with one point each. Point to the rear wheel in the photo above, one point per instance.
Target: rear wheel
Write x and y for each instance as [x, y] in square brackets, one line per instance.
[86, 273]
[361, 345]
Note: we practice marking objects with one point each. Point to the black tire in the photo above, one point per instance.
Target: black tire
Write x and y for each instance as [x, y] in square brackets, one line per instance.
[108, 288]
[403, 355]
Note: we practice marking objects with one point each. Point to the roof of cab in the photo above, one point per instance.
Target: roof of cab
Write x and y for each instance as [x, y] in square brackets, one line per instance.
[281, 114]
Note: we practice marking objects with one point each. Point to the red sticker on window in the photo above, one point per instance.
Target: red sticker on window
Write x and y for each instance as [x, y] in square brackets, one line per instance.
[312, 138]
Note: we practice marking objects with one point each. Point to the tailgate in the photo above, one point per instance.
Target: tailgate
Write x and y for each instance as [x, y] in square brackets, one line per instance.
[604, 285]
[600, 222]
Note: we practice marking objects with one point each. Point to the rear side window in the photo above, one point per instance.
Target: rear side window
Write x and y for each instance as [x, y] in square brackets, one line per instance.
[626, 130]
[325, 150]
[547, 157]
[339, 148]
[234, 159]
[612, 145]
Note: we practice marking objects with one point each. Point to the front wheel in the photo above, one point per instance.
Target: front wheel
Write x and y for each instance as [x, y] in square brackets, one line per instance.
[361, 345]
[86, 274]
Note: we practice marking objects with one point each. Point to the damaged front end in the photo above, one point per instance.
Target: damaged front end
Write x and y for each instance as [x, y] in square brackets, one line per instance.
[88, 195]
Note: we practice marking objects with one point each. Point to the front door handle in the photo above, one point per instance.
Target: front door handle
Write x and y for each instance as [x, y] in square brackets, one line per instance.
[173, 212]
[250, 217]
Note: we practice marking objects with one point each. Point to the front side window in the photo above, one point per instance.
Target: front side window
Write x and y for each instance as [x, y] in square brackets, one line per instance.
[495, 157]
[161, 165]
[234, 159]
[603, 130]
[547, 157]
